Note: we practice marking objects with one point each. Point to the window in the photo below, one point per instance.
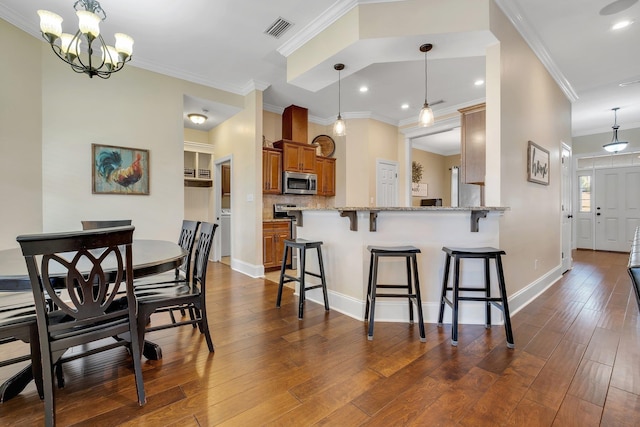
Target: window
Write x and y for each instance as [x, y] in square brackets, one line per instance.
[585, 193]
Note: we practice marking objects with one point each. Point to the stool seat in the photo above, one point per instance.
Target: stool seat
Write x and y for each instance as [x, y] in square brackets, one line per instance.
[393, 249]
[473, 252]
[302, 245]
[486, 253]
[412, 286]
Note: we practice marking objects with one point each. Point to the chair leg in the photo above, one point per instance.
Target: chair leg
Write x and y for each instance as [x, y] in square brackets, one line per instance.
[454, 311]
[303, 286]
[323, 279]
[282, 271]
[47, 385]
[445, 283]
[409, 289]
[136, 355]
[505, 303]
[36, 360]
[204, 324]
[416, 283]
[372, 308]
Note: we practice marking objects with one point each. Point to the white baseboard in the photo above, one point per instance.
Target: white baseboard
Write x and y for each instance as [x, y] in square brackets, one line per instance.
[251, 270]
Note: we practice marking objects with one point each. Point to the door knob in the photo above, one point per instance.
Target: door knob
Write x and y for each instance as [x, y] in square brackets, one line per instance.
[598, 214]
[569, 216]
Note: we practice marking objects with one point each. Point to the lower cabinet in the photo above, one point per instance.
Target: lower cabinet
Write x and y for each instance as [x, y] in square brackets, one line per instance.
[274, 233]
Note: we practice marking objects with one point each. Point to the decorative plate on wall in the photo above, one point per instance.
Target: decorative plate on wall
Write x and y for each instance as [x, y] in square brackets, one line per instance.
[326, 143]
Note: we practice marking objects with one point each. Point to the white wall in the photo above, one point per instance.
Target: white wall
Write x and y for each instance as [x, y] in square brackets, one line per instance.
[20, 135]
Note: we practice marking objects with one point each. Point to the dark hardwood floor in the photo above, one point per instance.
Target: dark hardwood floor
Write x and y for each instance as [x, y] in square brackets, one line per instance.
[576, 363]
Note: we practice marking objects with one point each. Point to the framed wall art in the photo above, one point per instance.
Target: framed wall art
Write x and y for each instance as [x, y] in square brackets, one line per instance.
[119, 170]
[537, 164]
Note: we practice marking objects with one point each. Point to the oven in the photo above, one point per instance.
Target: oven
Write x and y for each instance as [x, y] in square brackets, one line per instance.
[280, 211]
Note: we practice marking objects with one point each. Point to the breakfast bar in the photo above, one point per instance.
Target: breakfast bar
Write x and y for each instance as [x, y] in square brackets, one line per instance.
[347, 231]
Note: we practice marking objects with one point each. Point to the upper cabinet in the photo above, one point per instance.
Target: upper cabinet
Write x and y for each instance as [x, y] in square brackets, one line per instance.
[326, 171]
[226, 180]
[271, 171]
[473, 144]
[297, 157]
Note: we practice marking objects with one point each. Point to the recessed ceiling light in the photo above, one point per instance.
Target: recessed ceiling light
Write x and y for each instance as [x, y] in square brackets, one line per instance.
[405, 106]
[479, 82]
[622, 24]
[364, 89]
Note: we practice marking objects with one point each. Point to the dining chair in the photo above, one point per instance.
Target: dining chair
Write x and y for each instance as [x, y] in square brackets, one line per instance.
[186, 240]
[180, 295]
[90, 267]
[18, 322]
[93, 225]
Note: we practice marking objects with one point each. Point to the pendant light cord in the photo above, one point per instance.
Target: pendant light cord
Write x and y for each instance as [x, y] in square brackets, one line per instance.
[339, 96]
[425, 77]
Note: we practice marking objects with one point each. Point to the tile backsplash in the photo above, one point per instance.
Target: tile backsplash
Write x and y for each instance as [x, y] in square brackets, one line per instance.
[268, 200]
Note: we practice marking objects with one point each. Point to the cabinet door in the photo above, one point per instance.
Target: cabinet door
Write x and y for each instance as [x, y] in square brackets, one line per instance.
[473, 144]
[271, 172]
[329, 177]
[268, 249]
[290, 158]
[307, 156]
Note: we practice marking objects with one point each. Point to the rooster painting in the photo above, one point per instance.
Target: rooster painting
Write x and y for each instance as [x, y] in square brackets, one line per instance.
[120, 170]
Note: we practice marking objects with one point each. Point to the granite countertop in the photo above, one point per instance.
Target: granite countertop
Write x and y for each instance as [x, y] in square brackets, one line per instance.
[407, 209]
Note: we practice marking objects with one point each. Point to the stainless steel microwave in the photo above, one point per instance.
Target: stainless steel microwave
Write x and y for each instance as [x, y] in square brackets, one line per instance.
[299, 183]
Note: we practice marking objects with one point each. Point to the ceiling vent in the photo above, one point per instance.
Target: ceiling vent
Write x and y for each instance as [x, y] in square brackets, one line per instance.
[278, 28]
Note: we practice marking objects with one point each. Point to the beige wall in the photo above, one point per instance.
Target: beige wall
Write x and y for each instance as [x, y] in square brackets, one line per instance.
[435, 173]
[20, 135]
[66, 113]
[531, 107]
[240, 137]
[195, 135]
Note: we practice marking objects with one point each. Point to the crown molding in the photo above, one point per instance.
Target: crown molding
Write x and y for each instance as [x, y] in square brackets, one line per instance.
[511, 9]
[318, 25]
[253, 85]
[442, 112]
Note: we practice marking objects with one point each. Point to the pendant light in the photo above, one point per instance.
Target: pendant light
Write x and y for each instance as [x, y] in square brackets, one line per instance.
[339, 127]
[426, 115]
[614, 146]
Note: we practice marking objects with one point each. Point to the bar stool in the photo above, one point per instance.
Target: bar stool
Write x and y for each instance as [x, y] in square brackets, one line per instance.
[487, 254]
[302, 245]
[412, 286]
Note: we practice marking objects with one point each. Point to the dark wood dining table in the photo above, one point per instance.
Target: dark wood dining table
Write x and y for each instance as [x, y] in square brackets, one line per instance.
[149, 257]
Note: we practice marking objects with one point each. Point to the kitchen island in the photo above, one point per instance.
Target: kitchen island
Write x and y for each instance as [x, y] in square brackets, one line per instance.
[347, 231]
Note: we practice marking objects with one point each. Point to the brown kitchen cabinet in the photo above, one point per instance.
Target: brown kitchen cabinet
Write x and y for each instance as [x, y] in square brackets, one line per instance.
[271, 171]
[326, 171]
[473, 144]
[274, 233]
[297, 156]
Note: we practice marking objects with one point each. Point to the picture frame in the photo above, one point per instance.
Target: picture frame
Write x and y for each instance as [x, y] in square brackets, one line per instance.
[119, 170]
[537, 164]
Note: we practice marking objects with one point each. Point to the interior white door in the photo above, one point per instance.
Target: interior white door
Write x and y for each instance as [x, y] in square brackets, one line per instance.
[386, 183]
[584, 210]
[567, 209]
[617, 207]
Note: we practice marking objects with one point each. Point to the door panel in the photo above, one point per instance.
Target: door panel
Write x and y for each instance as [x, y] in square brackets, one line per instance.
[617, 207]
[584, 211]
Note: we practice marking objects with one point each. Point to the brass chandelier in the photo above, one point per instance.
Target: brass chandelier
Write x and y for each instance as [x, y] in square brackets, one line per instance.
[70, 47]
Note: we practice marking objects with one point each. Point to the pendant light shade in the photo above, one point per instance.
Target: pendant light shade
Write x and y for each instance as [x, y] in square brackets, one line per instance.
[339, 127]
[614, 146]
[426, 114]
